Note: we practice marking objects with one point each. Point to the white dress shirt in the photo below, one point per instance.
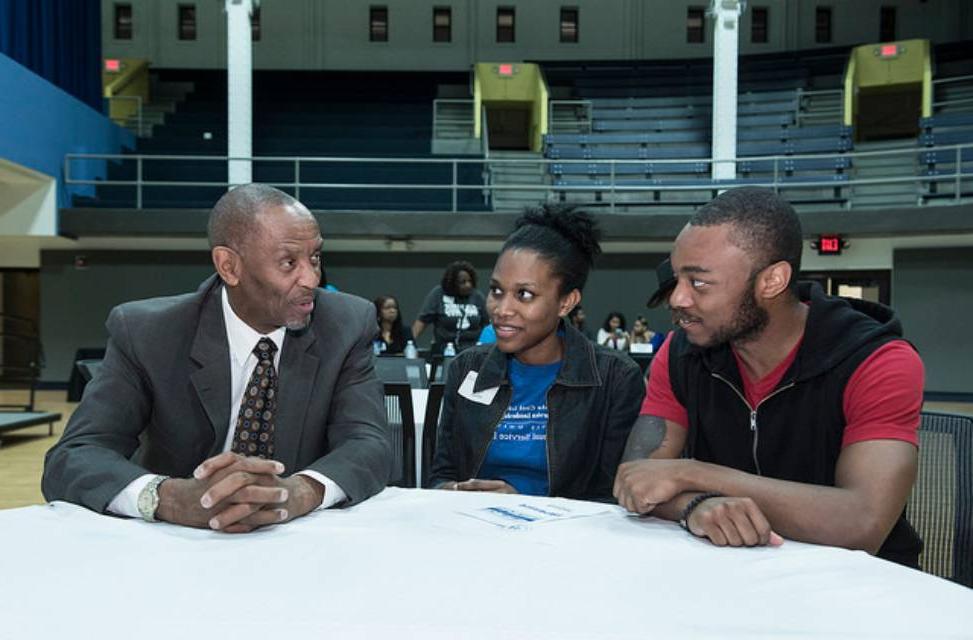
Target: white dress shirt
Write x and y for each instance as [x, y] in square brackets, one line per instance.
[241, 338]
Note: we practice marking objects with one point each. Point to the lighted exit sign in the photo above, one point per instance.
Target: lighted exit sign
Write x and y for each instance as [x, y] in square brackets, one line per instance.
[886, 51]
[830, 245]
[113, 65]
[505, 69]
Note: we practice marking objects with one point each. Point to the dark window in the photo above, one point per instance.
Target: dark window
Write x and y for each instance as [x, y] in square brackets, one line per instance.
[378, 24]
[758, 24]
[255, 25]
[442, 24]
[822, 24]
[886, 24]
[505, 24]
[123, 22]
[187, 22]
[569, 24]
[695, 24]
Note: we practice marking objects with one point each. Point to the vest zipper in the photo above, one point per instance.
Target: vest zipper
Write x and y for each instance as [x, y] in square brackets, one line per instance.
[753, 414]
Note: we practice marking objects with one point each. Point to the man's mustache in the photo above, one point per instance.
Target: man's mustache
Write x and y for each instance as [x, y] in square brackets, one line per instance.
[679, 316]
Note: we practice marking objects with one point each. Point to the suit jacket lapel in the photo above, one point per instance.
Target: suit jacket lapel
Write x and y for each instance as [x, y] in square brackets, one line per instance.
[298, 369]
[212, 380]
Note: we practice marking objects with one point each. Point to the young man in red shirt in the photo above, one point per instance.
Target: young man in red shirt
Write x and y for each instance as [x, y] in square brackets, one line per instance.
[797, 412]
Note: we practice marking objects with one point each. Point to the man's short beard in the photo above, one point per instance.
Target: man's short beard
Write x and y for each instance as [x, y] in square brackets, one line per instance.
[749, 319]
[298, 325]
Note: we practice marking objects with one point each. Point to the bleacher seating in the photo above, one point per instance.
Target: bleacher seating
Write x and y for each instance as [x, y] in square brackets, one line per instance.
[302, 114]
[689, 79]
[941, 164]
[648, 139]
[659, 144]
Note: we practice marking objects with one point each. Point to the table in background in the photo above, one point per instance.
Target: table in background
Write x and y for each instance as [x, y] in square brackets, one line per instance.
[12, 420]
[413, 564]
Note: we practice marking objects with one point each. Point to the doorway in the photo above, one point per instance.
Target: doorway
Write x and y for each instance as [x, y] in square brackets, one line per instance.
[888, 114]
[20, 352]
[874, 286]
[509, 127]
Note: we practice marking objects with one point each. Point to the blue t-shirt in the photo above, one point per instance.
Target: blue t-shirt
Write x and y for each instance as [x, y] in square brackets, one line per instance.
[518, 453]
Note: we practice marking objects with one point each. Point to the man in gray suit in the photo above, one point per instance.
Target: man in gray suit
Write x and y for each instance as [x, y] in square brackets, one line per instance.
[188, 422]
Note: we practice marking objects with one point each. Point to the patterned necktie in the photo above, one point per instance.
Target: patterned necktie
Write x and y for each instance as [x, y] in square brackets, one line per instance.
[254, 435]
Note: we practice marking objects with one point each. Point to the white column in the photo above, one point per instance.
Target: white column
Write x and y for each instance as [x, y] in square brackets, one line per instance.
[726, 28]
[239, 66]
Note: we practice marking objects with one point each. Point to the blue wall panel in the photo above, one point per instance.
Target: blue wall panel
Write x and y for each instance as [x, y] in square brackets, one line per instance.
[40, 123]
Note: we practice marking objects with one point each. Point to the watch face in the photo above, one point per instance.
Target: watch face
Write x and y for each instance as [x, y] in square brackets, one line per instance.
[148, 500]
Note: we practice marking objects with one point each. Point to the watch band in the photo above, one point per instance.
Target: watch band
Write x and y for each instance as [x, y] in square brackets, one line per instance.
[148, 500]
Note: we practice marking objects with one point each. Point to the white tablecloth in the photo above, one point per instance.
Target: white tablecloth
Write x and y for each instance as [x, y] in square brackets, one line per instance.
[415, 564]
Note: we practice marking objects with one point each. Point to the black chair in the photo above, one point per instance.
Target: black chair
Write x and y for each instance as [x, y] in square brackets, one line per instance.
[399, 370]
[941, 505]
[21, 360]
[87, 369]
[434, 404]
[76, 380]
[401, 419]
[437, 367]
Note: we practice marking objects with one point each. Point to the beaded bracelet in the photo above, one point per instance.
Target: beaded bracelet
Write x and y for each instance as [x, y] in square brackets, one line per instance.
[691, 506]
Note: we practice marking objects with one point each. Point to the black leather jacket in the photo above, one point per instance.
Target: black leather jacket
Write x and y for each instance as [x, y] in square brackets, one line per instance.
[592, 405]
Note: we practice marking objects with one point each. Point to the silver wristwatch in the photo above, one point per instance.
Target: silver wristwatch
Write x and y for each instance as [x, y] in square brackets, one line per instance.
[148, 501]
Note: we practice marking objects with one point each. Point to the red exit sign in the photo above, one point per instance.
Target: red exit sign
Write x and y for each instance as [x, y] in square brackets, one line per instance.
[830, 245]
[889, 51]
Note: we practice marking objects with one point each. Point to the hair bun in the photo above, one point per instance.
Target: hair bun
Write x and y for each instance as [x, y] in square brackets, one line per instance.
[575, 225]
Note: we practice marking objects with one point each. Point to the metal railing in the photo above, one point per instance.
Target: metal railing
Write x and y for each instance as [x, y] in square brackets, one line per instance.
[952, 79]
[612, 186]
[567, 116]
[443, 122]
[139, 121]
[968, 79]
[485, 150]
[801, 113]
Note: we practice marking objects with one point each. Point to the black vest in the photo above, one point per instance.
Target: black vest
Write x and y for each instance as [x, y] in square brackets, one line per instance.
[795, 433]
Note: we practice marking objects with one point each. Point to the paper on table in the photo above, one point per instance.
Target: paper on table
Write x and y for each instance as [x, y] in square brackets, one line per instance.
[524, 515]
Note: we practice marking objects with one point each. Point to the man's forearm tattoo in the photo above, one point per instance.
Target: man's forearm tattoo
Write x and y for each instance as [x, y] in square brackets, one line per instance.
[646, 436]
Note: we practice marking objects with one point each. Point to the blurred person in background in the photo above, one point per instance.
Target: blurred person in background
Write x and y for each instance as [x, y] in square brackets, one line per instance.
[577, 319]
[393, 335]
[454, 308]
[613, 334]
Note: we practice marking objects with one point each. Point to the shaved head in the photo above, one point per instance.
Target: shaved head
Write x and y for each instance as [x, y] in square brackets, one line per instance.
[234, 217]
[761, 223]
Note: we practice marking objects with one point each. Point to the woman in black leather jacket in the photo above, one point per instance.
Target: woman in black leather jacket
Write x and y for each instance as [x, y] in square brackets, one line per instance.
[543, 411]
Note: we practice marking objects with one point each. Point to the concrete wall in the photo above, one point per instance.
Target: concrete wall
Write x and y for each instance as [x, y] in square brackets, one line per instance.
[932, 290]
[75, 302]
[333, 34]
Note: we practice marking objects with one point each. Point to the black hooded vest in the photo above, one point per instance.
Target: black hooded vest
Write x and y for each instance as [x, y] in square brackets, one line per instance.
[795, 432]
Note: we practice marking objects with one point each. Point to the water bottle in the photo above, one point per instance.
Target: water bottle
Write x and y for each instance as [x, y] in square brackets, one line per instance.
[449, 351]
[410, 350]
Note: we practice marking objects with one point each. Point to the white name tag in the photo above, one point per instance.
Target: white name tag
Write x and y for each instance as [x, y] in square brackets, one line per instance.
[485, 396]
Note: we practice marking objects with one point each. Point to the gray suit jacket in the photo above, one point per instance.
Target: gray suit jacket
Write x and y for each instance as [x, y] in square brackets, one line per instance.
[161, 400]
